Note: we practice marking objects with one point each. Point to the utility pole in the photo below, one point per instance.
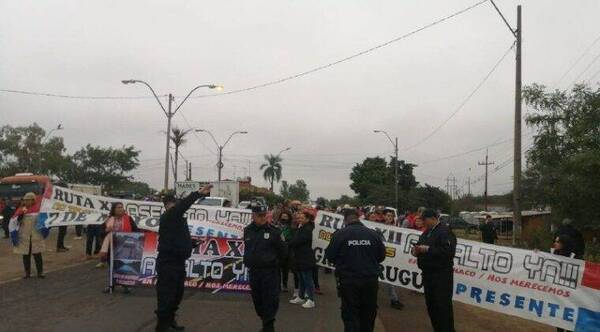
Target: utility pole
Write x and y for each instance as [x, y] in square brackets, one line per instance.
[169, 116]
[451, 189]
[396, 176]
[486, 164]
[220, 163]
[517, 156]
[517, 33]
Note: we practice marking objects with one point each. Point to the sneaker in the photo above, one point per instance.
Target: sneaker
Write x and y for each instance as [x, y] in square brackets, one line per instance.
[309, 304]
[176, 326]
[100, 265]
[297, 300]
[78, 238]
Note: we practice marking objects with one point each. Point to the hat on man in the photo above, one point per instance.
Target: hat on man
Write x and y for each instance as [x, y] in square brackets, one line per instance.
[258, 208]
[429, 213]
[29, 196]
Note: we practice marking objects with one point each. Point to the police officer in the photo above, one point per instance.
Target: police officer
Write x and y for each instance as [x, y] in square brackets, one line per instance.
[264, 248]
[356, 252]
[435, 255]
[174, 248]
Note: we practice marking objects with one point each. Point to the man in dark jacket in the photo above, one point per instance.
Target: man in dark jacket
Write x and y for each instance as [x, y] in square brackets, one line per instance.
[488, 231]
[174, 248]
[7, 212]
[264, 249]
[435, 252]
[568, 229]
[357, 251]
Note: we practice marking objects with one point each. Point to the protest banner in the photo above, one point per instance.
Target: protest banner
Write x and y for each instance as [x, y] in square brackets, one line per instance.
[216, 264]
[68, 207]
[550, 289]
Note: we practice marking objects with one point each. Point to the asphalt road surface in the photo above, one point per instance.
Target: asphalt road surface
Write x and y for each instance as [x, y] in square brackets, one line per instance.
[71, 299]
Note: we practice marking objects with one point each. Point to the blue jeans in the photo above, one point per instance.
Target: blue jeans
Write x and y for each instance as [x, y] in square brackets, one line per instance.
[307, 287]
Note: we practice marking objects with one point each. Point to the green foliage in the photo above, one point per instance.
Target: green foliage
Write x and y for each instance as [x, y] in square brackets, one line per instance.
[541, 239]
[138, 189]
[343, 200]
[271, 198]
[102, 166]
[296, 191]
[28, 149]
[178, 139]
[272, 169]
[563, 169]
[429, 196]
[322, 202]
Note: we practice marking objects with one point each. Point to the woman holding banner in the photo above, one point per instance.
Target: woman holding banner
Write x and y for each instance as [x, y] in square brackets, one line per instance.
[118, 221]
[27, 238]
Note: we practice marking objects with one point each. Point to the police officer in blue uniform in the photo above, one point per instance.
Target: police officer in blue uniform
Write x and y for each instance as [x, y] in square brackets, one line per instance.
[264, 249]
[357, 251]
[435, 252]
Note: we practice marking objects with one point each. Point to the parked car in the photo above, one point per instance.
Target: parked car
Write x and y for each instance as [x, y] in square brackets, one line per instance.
[215, 201]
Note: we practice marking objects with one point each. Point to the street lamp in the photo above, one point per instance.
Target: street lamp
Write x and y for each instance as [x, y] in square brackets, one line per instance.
[220, 147]
[170, 114]
[395, 144]
[59, 127]
[284, 150]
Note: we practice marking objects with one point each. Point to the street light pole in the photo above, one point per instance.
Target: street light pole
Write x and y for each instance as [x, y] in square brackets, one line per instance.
[59, 127]
[396, 179]
[220, 147]
[169, 114]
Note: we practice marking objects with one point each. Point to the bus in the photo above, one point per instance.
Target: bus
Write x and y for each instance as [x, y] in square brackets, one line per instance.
[15, 187]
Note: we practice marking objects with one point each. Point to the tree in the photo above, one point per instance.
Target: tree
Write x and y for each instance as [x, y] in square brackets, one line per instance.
[102, 166]
[373, 181]
[272, 169]
[431, 197]
[27, 149]
[271, 198]
[322, 202]
[296, 191]
[563, 165]
[178, 139]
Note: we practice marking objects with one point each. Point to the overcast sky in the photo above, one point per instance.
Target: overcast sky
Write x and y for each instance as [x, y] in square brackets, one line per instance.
[408, 88]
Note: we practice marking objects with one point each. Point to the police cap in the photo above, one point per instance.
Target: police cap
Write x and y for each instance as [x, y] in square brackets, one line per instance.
[258, 208]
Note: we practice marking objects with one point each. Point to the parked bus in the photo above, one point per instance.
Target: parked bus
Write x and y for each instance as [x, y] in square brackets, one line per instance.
[15, 187]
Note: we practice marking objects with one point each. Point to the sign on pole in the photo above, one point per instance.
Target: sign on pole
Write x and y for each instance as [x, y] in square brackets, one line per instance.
[184, 188]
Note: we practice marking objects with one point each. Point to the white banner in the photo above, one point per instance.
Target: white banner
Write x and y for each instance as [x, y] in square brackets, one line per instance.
[68, 207]
[550, 289]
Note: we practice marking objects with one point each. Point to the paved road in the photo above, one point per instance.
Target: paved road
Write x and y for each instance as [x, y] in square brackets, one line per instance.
[71, 300]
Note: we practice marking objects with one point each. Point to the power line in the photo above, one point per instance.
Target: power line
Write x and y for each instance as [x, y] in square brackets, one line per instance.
[586, 69]
[55, 95]
[577, 61]
[348, 58]
[278, 81]
[465, 101]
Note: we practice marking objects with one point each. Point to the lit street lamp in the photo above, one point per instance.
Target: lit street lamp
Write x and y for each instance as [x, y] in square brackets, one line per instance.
[220, 147]
[169, 113]
[395, 144]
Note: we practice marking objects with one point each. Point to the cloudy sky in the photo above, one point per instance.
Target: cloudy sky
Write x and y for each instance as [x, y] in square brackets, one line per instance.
[409, 88]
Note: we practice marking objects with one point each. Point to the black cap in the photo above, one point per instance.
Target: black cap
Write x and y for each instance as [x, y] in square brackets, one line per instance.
[429, 213]
[258, 208]
[347, 212]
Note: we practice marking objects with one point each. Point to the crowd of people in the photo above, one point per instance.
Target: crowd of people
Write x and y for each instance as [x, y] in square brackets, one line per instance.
[279, 244]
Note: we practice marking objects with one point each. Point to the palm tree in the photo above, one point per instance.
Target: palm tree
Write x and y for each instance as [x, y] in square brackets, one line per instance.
[272, 169]
[178, 139]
